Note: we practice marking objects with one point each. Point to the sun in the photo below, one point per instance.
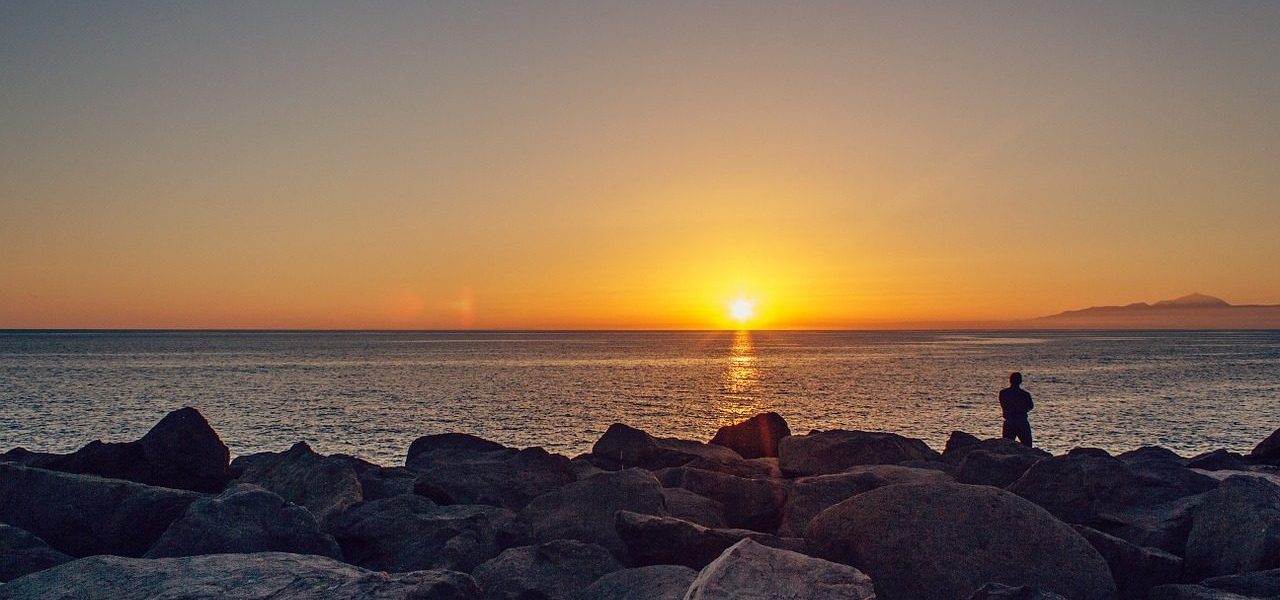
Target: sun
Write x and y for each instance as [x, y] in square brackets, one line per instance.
[742, 310]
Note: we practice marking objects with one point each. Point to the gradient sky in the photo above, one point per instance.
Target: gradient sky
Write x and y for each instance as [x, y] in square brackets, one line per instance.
[631, 164]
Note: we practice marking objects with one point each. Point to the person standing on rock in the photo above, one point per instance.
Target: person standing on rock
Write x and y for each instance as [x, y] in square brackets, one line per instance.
[1015, 403]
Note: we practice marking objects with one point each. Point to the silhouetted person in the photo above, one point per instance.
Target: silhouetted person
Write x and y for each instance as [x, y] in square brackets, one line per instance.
[1015, 403]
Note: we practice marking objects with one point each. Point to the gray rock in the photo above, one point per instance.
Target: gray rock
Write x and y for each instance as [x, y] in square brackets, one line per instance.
[1235, 530]
[654, 540]
[657, 582]
[824, 452]
[1000, 591]
[264, 576]
[82, 515]
[585, 510]
[756, 437]
[808, 496]
[327, 486]
[22, 553]
[1258, 585]
[1135, 569]
[244, 519]
[411, 533]
[751, 571]
[748, 503]
[684, 504]
[459, 469]
[945, 540]
[624, 446]
[552, 571]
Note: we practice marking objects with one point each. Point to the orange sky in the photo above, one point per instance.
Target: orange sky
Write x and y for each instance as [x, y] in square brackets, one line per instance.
[630, 166]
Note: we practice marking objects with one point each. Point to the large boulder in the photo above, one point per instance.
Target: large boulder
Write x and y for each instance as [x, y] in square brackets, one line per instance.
[585, 510]
[244, 519]
[327, 486]
[83, 515]
[823, 452]
[621, 447]
[1164, 526]
[1135, 569]
[411, 533]
[808, 496]
[1268, 450]
[1236, 529]
[756, 437]
[684, 504]
[264, 576]
[1259, 585]
[654, 540]
[22, 553]
[1218, 460]
[556, 570]
[748, 503]
[456, 468]
[656, 582]
[997, 462]
[181, 451]
[945, 540]
[751, 571]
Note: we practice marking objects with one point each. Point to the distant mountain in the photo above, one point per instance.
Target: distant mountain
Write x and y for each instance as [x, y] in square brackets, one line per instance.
[1193, 311]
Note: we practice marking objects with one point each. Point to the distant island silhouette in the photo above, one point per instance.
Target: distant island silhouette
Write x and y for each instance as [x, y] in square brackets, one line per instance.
[1193, 311]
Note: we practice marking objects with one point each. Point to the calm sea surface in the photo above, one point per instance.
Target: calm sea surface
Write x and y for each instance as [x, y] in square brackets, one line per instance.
[371, 393]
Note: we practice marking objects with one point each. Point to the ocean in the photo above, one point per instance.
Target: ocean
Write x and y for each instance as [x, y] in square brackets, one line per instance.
[370, 394]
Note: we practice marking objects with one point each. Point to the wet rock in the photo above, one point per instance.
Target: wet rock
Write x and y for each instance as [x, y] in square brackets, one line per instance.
[748, 570]
[756, 437]
[263, 576]
[945, 540]
[630, 447]
[244, 519]
[824, 452]
[554, 570]
[1235, 530]
[997, 462]
[1135, 569]
[82, 515]
[327, 486]
[657, 582]
[461, 469]
[1000, 591]
[22, 553]
[748, 503]
[1259, 585]
[684, 504]
[654, 540]
[411, 533]
[585, 510]
[808, 496]
[1268, 450]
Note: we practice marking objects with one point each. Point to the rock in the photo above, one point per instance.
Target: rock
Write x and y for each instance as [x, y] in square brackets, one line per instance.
[657, 582]
[1217, 460]
[1260, 585]
[748, 503]
[1236, 529]
[756, 437]
[1268, 450]
[997, 462]
[1164, 526]
[411, 533]
[263, 576]
[181, 451]
[22, 553]
[684, 504]
[808, 496]
[748, 570]
[1135, 569]
[378, 482]
[957, 444]
[1000, 591]
[654, 540]
[823, 452]
[756, 468]
[554, 570]
[585, 510]
[459, 469]
[243, 520]
[327, 486]
[630, 447]
[945, 540]
[82, 515]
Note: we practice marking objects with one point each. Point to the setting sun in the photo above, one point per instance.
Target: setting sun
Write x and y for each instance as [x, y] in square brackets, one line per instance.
[742, 310]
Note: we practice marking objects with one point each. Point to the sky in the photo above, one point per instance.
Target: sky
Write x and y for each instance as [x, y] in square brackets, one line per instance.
[631, 164]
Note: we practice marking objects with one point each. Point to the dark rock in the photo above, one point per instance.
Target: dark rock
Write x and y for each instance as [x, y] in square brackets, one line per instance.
[411, 533]
[684, 504]
[823, 452]
[584, 510]
[22, 553]
[756, 437]
[751, 570]
[944, 540]
[327, 486]
[263, 576]
[244, 519]
[1235, 530]
[1000, 591]
[748, 503]
[630, 447]
[808, 496]
[657, 582]
[450, 443]
[1135, 569]
[460, 469]
[996, 462]
[1152, 455]
[1164, 526]
[654, 540]
[1218, 460]
[83, 515]
[555, 570]
[957, 444]
[1267, 450]
[756, 468]
[378, 482]
[1259, 585]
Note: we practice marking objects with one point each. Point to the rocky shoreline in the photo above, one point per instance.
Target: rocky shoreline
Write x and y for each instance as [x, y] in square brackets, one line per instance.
[756, 512]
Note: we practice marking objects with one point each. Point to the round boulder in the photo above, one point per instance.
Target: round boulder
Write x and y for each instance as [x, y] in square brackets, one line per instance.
[756, 437]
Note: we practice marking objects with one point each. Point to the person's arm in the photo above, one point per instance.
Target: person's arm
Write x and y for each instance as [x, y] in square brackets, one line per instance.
[1030, 404]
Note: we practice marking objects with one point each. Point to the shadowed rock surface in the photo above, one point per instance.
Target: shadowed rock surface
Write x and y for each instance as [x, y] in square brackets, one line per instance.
[808, 496]
[657, 582]
[751, 571]
[945, 540]
[585, 510]
[997, 462]
[244, 519]
[1000, 591]
[1135, 569]
[824, 452]
[1235, 530]
[748, 503]
[410, 533]
[555, 570]
[756, 437]
[622, 446]
[265, 576]
[655, 540]
[1259, 585]
[22, 553]
[462, 469]
[684, 504]
[1268, 450]
[326, 486]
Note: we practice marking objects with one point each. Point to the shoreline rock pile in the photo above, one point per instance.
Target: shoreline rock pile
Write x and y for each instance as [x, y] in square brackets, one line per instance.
[756, 512]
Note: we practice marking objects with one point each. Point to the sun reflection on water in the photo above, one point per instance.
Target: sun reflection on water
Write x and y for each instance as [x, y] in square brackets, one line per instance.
[740, 379]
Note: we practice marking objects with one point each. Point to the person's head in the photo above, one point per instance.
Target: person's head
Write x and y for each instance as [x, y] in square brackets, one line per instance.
[1015, 379]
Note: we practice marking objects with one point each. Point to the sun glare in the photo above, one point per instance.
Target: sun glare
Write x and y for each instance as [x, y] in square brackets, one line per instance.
[742, 310]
